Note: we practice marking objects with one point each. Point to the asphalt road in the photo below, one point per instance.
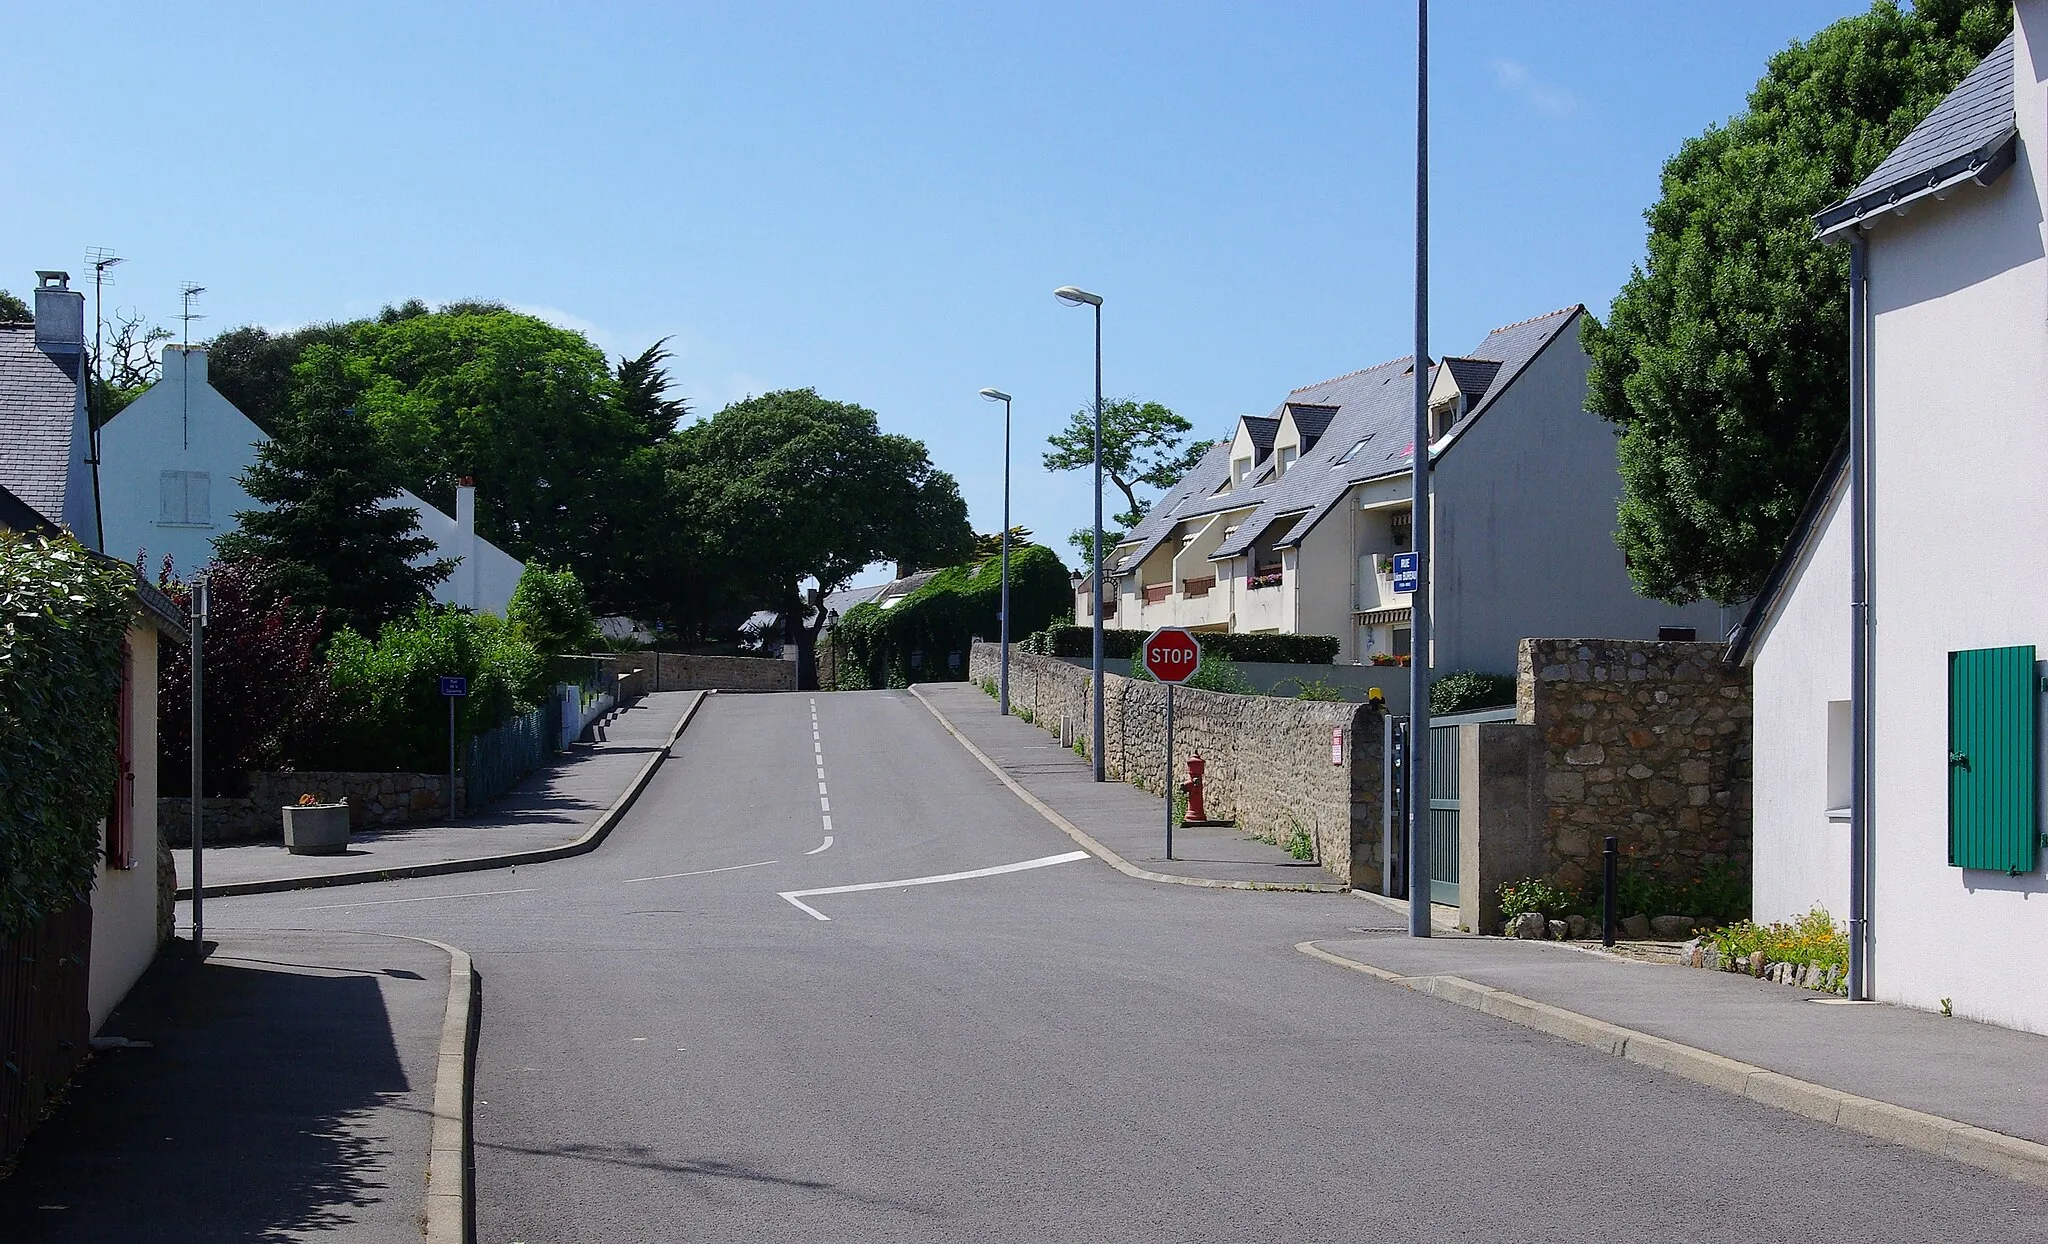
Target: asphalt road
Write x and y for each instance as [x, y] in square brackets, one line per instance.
[1051, 1054]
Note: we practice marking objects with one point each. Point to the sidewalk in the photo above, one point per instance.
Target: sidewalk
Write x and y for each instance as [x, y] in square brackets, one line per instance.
[556, 805]
[1119, 816]
[1971, 1073]
[285, 1092]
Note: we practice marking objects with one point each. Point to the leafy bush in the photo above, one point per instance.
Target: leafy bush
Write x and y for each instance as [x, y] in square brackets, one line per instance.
[1813, 938]
[1719, 895]
[66, 616]
[1300, 845]
[1122, 645]
[1468, 691]
[548, 610]
[392, 714]
[944, 616]
[269, 702]
[1539, 894]
[1313, 689]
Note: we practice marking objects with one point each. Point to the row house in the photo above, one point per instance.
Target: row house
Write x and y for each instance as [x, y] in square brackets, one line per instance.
[1291, 525]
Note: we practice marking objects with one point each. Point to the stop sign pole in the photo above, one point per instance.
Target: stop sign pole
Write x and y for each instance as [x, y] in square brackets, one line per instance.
[1172, 655]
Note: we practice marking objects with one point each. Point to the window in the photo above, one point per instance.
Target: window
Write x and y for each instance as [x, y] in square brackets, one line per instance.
[121, 817]
[1287, 457]
[185, 499]
[1839, 741]
[1403, 641]
[1993, 802]
[1403, 525]
[1353, 452]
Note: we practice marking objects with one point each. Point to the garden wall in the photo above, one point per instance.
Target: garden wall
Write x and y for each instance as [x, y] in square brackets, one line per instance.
[375, 800]
[1268, 758]
[1643, 739]
[678, 671]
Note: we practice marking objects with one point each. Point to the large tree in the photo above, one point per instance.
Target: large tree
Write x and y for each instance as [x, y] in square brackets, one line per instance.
[327, 542]
[791, 486]
[1724, 359]
[1144, 445]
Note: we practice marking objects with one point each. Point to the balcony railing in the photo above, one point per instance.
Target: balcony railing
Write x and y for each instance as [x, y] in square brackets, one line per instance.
[1193, 588]
[1156, 592]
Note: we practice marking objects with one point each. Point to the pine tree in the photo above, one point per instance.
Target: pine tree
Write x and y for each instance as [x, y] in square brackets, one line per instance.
[329, 544]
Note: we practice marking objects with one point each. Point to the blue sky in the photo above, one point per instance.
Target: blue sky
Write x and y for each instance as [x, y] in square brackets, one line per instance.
[877, 199]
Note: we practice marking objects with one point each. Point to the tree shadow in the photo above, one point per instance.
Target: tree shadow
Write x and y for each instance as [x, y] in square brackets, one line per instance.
[259, 1111]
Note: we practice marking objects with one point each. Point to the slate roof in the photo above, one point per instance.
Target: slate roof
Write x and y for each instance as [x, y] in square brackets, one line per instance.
[1263, 429]
[1311, 421]
[37, 404]
[1377, 406]
[1473, 376]
[1970, 135]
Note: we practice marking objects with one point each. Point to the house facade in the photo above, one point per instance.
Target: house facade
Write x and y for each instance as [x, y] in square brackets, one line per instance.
[1949, 230]
[171, 466]
[1292, 525]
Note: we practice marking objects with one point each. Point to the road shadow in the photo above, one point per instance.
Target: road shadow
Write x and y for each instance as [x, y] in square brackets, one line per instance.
[250, 1115]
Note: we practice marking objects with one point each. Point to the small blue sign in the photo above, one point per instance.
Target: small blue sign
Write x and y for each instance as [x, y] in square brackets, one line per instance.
[454, 688]
[1407, 571]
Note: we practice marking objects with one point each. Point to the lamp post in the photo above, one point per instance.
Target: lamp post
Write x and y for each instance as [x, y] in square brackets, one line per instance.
[1419, 867]
[198, 611]
[1003, 693]
[1074, 297]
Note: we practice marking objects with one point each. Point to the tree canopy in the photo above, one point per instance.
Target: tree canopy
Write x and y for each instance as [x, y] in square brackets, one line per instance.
[1724, 359]
[13, 310]
[1144, 445]
[328, 543]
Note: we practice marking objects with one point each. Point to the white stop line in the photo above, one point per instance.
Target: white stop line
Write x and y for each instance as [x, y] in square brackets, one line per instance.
[796, 897]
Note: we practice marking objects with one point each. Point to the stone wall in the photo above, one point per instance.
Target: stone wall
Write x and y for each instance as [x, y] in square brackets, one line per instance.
[1646, 740]
[677, 671]
[375, 800]
[1268, 758]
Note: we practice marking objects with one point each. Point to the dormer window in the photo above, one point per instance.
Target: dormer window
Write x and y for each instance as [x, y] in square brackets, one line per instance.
[1443, 416]
[1239, 469]
[1287, 457]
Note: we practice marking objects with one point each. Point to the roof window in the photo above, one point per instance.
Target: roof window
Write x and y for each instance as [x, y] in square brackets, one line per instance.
[1353, 452]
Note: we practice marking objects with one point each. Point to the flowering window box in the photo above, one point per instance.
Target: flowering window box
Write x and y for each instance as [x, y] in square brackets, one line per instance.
[1270, 578]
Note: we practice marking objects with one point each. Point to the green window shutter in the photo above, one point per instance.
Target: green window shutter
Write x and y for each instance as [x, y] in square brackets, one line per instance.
[1992, 754]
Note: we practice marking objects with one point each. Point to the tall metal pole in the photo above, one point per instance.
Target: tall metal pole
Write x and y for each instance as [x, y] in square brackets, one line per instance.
[1169, 770]
[1003, 696]
[1418, 628]
[198, 654]
[1859, 615]
[451, 757]
[1101, 773]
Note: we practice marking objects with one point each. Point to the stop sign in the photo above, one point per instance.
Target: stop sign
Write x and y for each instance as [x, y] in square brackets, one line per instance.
[1171, 654]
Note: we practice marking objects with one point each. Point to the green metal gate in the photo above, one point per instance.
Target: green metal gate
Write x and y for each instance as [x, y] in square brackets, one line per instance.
[1442, 775]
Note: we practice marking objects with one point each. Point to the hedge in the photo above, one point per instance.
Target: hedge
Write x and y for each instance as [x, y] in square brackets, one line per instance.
[392, 716]
[66, 617]
[1119, 645]
[945, 615]
[1468, 691]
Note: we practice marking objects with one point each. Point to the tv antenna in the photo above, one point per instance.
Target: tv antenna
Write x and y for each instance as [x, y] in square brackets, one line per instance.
[99, 258]
[187, 292]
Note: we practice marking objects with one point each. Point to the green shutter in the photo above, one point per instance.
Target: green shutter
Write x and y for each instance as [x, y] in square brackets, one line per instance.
[1992, 741]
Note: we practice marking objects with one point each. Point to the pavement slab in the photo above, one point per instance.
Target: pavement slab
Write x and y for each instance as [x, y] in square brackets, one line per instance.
[1954, 1068]
[555, 805]
[282, 1090]
[1121, 817]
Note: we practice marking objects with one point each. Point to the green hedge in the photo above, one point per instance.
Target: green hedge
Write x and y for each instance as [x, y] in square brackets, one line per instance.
[66, 615]
[392, 716]
[1468, 691]
[945, 615]
[1119, 645]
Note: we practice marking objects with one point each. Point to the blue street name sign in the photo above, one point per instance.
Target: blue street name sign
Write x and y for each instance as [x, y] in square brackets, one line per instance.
[454, 687]
[1407, 569]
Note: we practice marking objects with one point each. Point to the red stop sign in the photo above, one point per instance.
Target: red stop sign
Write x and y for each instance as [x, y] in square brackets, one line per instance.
[1171, 654]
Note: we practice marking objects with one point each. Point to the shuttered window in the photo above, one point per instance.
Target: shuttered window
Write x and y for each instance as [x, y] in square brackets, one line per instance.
[1993, 742]
[185, 498]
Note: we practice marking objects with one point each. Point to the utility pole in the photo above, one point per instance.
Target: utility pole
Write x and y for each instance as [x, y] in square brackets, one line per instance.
[198, 611]
[1418, 627]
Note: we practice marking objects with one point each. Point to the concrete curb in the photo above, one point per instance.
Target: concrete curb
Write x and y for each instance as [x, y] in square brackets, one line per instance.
[450, 1167]
[1095, 848]
[2010, 1156]
[591, 839]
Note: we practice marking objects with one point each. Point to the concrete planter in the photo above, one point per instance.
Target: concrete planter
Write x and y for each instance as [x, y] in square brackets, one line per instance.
[316, 828]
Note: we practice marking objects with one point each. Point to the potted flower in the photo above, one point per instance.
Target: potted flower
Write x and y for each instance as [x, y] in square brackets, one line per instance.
[315, 828]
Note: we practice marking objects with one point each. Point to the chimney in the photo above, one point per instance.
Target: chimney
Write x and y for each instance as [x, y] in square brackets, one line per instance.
[465, 543]
[60, 319]
[184, 364]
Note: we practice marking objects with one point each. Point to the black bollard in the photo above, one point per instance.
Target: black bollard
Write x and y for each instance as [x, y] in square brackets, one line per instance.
[1609, 858]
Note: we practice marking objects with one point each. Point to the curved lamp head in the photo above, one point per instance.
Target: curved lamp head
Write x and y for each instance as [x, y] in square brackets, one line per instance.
[1074, 297]
[995, 395]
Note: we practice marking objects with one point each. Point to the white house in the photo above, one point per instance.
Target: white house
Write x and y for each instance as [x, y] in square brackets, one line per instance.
[171, 465]
[1291, 525]
[1901, 780]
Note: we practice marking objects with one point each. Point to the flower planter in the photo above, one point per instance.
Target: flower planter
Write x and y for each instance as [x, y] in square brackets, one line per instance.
[316, 828]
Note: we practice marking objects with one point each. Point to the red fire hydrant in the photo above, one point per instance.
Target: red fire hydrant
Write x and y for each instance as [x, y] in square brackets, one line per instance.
[1192, 788]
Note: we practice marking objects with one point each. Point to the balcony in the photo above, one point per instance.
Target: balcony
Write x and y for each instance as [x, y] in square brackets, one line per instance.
[1376, 584]
[1194, 589]
[1156, 592]
[1265, 577]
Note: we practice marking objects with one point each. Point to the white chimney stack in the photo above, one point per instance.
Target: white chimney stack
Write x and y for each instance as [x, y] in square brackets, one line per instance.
[60, 317]
[465, 543]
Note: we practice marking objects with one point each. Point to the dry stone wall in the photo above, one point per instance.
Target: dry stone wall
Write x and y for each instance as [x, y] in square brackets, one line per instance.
[678, 671]
[375, 800]
[1646, 740]
[1268, 758]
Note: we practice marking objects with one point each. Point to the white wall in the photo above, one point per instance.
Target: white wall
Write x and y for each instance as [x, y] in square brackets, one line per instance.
[497, 572]
[1523, 527]
[1959, 456]
[1800, 667]
[180, 423]
[124, 899]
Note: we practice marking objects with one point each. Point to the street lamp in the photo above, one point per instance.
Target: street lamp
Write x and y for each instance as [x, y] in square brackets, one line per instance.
[1074, 297]
[1003, 694]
